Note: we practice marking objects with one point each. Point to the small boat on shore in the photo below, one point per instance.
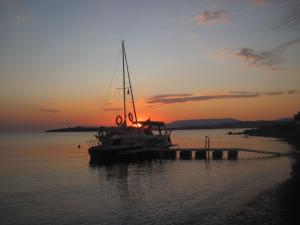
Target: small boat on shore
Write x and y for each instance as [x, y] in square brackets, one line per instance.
[129, 134]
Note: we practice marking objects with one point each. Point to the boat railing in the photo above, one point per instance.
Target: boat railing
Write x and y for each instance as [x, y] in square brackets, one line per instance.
[93, 143]
[167, 132]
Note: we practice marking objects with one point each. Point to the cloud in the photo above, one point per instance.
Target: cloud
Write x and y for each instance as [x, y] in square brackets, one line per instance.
[112, 109]
[289, 11]
[274, 93]
[211, 17]
[290, 20]
[269, 59]
[260, 2]
[288, 44]
[49, 110]
[241, 92]
[290, 92]
[168, 96]
[196, 98]
[183, 98]
[258, 93]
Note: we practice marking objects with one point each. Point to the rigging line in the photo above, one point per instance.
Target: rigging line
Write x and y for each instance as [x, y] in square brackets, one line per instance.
[110, 84]
[132, 98]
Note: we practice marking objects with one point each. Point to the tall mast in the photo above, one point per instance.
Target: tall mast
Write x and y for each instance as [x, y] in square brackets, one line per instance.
[131, 92]
[124, 93]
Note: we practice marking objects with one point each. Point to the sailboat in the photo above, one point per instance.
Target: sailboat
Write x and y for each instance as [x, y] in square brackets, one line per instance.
[129, 134]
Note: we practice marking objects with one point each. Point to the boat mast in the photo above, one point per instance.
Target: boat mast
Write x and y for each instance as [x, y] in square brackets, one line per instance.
[131, 92]
[124, 94]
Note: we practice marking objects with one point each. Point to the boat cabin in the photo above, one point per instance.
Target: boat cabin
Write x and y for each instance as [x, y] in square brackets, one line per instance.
[151, 127]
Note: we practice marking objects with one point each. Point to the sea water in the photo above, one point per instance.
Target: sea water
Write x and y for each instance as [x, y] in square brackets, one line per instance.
[46, 179]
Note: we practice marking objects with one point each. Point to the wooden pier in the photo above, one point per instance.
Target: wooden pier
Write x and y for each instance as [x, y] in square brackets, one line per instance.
[98, 155]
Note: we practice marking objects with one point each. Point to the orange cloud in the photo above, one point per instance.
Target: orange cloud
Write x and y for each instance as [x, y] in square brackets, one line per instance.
[181, 98]
[260, 2]
[49, 110]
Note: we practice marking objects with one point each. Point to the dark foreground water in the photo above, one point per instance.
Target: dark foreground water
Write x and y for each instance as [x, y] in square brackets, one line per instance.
[46, 179]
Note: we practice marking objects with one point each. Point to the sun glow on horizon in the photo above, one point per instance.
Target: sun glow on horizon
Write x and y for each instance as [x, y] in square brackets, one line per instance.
[66, 70]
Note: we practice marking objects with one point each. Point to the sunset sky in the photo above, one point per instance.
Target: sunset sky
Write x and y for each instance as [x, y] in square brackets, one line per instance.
[187, 59]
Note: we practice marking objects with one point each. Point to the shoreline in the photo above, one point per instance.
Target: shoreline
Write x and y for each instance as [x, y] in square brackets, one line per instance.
[278, 205]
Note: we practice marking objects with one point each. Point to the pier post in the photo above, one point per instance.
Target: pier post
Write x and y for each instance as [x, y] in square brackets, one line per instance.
[232, 154]
[217, 154]
[200, 154]
[207, 146]
[186, 154]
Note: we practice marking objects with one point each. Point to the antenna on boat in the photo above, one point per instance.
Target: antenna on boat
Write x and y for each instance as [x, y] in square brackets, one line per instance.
[124, 60]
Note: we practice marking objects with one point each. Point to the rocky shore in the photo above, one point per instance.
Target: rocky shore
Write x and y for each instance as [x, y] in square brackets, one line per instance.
[287, 131]
[281, 204]
[278, 206]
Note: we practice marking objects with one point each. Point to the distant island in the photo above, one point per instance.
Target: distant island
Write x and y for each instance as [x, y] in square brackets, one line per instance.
[74, 129]
[194, 124]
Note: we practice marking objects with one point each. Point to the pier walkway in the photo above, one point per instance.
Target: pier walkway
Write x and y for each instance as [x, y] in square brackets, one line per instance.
[177, 153]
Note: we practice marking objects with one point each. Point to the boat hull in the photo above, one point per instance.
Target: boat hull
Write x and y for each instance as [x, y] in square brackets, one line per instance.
[98, 155]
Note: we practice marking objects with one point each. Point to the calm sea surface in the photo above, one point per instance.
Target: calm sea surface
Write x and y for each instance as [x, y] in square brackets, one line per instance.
[46, 179]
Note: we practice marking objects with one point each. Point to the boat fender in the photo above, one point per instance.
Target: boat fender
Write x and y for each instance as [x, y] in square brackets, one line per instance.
[130, 117]
[119, 120]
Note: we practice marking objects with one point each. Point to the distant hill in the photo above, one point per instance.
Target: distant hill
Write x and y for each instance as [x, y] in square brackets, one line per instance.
[223, 123]
[200, 123]
[196, 124]
[286, 119]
